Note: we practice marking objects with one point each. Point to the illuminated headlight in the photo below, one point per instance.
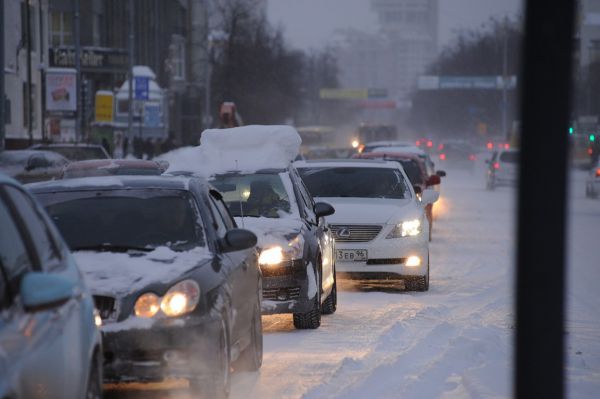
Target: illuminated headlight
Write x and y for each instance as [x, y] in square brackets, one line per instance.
[182, 298]
[413, 261]
[97, 318]
[408, 228]
[271, 256]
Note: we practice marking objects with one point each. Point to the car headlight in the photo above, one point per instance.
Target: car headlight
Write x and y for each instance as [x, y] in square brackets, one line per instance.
[271, 256]
[408, 228]
[180, 299]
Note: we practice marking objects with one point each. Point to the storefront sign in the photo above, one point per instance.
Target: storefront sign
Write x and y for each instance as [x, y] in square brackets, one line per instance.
[61, 90]
[104, 106]
[91, 58]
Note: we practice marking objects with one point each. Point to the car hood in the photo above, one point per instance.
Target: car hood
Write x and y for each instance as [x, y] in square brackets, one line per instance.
[119, 274]
[371, 210]
[271, 231]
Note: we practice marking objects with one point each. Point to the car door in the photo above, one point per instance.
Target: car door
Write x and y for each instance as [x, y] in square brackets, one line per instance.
[54, 337]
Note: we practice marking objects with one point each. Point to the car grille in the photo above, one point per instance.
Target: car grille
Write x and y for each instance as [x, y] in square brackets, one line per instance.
[355, 232]
[105, 306]
[281, 294]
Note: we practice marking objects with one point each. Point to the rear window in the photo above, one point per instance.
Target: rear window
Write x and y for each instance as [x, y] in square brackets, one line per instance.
[79, 153]
[355, 182]
[509, 157]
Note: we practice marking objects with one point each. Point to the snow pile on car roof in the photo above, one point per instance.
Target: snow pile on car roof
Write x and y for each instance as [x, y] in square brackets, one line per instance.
[246, 149]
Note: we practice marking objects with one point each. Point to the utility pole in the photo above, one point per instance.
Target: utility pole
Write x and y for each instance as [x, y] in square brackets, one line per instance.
[130, 88]
[29, 115]
[2, 107]
[504, 82]
[79, 108]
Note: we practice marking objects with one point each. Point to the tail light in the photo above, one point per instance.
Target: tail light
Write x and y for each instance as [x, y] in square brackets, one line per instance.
[418, 143]
[590, 151]
[471, 157]
[496, 165]
[440, 147]
[443, 157]
[506, 146]
[490, 145]
[598, 172]
[430, 144]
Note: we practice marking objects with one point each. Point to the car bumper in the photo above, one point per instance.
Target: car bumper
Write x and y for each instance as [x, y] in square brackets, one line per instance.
[386, 257]
[179, 348]
[286, 288]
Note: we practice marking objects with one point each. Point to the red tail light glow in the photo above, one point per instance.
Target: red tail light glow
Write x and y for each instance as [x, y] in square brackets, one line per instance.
[443, 157]
[430, 144]
[598, 172]
[418, 143]
[490, 146]
[496, 165]
[506, 146]
[590, 151]
[440, 147]
[472, 157]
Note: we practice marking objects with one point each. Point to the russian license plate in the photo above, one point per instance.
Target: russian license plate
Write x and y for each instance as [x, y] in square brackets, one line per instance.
[352, 255]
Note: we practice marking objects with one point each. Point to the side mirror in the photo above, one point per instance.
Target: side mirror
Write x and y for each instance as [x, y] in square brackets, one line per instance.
[417, 189]
[441, 173]
[238, 240]
[433, 180]
[429, 196]
[43, 291]
[322, 209]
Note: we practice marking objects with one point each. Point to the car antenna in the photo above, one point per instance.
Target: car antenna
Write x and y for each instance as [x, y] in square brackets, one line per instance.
[241, 206]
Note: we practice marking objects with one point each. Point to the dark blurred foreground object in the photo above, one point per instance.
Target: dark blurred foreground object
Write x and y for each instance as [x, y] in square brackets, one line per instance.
[75, 151]
[545, 107]
[28, 166]
[114, 167]
[48, 333]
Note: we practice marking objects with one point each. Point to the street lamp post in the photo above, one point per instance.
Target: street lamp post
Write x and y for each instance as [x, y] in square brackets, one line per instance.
[130, 88]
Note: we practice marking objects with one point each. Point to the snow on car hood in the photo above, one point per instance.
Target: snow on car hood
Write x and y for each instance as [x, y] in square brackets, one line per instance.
[272, 231]
[122, 273]
[371, 210]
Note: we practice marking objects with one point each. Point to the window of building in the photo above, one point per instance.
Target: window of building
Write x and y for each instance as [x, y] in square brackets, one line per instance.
[178, 58]
[61, 28]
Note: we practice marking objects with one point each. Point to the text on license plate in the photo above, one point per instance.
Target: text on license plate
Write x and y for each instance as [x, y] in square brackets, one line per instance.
[352, 255]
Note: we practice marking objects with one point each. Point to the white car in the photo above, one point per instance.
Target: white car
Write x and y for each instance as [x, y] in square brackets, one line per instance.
[502, 169]
[592, 184]
[379, 225]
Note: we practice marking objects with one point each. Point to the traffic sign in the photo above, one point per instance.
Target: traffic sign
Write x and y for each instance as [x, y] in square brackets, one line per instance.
[141, 87]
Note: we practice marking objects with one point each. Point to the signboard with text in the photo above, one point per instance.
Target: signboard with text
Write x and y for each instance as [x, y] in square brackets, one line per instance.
[61, 90]
[141, 86]
[104, 106]
[466, 82]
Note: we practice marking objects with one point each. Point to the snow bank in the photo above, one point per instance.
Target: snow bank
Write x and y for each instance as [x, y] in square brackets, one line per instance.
[245, 149]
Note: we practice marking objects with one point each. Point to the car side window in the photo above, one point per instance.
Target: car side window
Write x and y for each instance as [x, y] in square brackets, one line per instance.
[224, 212]
[46, 248]
[220, 225]
[14, 258]
[307, 202]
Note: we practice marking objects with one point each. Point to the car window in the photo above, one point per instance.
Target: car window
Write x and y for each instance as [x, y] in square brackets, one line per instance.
[219, 220]
[224, 212]
[307, 202]
[46, 248]
[14, 258]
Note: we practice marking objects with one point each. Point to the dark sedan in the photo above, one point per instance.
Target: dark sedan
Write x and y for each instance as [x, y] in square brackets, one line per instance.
[176, 282]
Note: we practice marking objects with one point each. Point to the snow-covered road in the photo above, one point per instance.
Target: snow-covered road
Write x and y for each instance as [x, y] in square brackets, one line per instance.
[454, 341]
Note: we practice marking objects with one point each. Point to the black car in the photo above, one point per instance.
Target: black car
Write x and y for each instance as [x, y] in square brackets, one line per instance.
[176, 283]
[296, 245]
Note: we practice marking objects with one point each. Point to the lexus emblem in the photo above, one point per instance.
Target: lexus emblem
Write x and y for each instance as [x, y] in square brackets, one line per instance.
[343, 232]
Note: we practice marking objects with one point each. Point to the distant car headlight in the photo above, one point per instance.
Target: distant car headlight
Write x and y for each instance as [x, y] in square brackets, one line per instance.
[97, 318]
[271, 256]
[408, 228]
[147, 305]
[180, 299]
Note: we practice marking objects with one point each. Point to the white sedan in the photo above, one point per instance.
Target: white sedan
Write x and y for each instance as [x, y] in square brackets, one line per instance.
[379, 225]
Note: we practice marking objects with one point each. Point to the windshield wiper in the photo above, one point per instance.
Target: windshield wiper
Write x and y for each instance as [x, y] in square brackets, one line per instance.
[111, 248]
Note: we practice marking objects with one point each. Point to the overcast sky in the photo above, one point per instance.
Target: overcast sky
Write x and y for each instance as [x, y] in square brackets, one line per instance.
[310, 23]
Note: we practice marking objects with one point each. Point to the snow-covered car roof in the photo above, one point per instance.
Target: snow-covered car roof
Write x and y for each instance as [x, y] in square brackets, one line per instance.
[347, 163]
[114, 183]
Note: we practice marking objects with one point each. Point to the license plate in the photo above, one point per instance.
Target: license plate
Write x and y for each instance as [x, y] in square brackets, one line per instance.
[352, 255]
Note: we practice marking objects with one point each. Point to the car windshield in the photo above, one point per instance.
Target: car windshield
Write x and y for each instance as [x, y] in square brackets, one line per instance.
[355, 182]
[125, 219]
[509, 157]
[74, 153]
[254, 195]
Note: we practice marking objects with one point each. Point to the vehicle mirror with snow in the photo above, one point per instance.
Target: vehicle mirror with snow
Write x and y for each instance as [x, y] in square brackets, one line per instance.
[429, 196]
[42, 291]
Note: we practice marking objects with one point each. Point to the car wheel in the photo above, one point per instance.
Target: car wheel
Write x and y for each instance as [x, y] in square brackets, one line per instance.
[419, 283]
[94, 385]
[312, 318]
[251, 358]
[218, 385]
[330, 304]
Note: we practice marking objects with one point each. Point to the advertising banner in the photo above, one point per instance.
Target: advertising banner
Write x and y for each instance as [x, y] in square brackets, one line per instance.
[104, 106]
[61, 90]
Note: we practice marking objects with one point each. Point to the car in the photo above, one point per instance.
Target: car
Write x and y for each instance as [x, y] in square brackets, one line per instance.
[113, 167]
[251, 167]
[50, 344]
[457, 154]
[379, 224]
[429, 164]
[371, 145]
[502, 169]
[592, 184]
[414, 167]
[28, 166]
[75, 151]
[176, 283]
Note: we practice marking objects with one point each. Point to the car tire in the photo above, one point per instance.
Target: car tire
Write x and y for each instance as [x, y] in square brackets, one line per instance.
[218, 385]
[251, 358]
[312, 319]
[94, 384]
[330, 304]
[419, 283]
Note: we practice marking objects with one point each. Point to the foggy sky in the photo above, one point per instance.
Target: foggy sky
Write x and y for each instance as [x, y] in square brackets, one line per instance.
[310, 23]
